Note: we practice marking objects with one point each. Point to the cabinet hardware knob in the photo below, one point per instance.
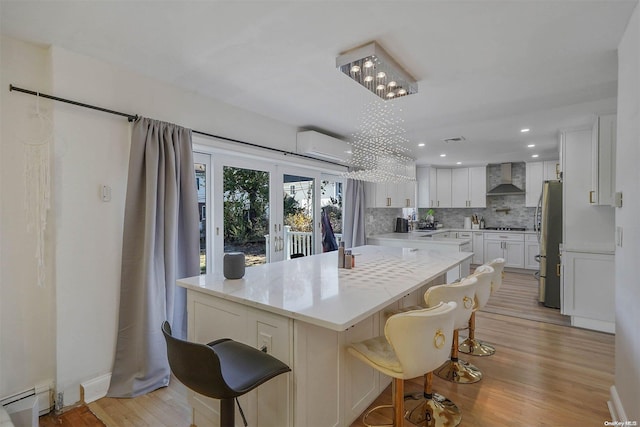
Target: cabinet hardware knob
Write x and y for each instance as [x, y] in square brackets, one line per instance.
[591, 193]
[558, 269]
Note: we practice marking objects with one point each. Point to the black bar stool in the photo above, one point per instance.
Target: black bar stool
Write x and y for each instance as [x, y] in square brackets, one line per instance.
[223, 369]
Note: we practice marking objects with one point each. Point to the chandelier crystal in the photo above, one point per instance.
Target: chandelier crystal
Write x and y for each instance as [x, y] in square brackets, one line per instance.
[379, 146]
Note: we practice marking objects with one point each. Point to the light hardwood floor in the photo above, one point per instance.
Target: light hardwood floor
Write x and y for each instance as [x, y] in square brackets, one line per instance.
[543, 374]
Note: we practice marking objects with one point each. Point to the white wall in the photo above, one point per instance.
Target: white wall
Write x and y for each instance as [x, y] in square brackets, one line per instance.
[27, 311]
[627, 372]
[76, 314]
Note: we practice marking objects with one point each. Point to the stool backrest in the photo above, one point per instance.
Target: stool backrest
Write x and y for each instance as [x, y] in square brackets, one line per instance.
[485, 275]
[462, 293]
[196, 366]
[421, 339]
[498, 265]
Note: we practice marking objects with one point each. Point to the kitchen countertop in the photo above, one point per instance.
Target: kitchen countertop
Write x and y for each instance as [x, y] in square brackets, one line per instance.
[426, 236]
[313, 289]
[484, 230]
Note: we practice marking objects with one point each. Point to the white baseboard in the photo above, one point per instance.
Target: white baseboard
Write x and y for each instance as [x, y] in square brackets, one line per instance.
[593, 324]
[95, 388]
[615, 406]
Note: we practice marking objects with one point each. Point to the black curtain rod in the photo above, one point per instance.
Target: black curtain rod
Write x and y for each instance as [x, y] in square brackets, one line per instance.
[132, 117]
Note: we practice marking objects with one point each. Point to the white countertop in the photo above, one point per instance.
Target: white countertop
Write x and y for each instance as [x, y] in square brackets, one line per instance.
[313, 289]
[420, 236]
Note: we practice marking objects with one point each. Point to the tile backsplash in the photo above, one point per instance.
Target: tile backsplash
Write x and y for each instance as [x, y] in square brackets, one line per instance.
[382, 220]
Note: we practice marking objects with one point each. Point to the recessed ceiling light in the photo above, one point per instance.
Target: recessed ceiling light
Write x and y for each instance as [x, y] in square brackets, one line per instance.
[443, 155]
[458, 163]
[531, 145]
[525, 130]
[422, 144]
[534, 155]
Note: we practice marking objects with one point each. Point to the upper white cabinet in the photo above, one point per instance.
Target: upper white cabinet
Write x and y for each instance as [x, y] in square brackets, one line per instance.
[603, 145]
[452, 188]
[585, 227]
[389, 194]
[469, 187]
[536, 173]
[443, 188]
[433, 188]
[478, 187]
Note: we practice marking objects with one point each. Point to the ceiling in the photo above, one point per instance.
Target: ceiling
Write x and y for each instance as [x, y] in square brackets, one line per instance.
[485, 69]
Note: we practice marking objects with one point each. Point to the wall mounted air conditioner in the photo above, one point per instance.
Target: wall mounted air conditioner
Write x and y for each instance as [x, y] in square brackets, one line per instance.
[321, 146]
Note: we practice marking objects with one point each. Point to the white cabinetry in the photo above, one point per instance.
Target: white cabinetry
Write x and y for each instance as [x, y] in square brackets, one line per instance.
[536, 173]
[443, 188]
[551, 170]
[390, 195]
[469, 187]
[271, 400]
[531, 251]
[603, 158]
[509, 246]
[478, 247]
[585, 227]
[588, 233]
[433, 187]
[458, 188]
[478, 187]
[588, 290]
[426, 180]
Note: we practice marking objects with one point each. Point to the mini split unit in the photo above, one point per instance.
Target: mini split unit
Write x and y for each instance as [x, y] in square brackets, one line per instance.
[321, 146]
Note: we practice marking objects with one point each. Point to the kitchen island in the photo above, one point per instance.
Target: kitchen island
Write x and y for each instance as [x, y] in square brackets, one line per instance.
[305, 312]
[434, 239]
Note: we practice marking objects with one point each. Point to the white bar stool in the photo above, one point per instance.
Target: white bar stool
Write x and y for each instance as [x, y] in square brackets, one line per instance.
[414, 342]
[485, 275]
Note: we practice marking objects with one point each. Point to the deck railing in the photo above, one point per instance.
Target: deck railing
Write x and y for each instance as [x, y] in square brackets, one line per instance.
[297, 242]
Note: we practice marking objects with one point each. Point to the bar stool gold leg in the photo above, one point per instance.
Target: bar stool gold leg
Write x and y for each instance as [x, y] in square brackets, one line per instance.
[458, 371]
[434, 410]
[473, 346]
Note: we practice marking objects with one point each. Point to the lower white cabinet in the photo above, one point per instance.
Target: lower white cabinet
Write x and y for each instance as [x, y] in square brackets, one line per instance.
[588, 291]
[210, 319]
[531, 251]
[478, 247]
[509, 246]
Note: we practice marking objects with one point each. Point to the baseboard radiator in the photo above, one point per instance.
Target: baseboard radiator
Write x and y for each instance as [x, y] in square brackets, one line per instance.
[41, 393]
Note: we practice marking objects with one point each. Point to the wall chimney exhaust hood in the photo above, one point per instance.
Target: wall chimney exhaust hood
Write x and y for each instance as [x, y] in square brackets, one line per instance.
[506, 188]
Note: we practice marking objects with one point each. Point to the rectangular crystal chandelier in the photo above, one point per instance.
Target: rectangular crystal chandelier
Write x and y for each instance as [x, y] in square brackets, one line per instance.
[374, 69]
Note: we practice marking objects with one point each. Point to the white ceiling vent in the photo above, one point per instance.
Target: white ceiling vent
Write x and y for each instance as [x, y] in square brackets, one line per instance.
[454, 139]
[316, 144]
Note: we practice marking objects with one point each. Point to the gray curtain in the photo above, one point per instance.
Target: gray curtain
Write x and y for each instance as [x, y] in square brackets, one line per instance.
[160, 244]
[354, 211]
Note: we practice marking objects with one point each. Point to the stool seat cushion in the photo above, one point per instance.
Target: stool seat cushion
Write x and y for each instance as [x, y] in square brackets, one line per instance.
[378, 351]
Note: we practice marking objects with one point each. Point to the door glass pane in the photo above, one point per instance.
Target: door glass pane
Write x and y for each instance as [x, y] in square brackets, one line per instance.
[298, 211]
[246, 213]
[201, 186]
[331, 204]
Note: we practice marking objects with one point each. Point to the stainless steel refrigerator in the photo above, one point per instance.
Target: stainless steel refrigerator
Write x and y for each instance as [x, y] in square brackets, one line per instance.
[548, 222]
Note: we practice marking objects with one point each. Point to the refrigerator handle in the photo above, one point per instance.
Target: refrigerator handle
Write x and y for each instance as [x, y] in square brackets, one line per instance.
[536, 224]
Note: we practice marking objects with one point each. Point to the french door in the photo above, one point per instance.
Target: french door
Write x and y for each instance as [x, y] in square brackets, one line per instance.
[268, 211]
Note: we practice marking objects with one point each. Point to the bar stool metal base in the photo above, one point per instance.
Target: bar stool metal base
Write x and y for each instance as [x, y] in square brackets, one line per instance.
[476, 347]
[435, 412]
[370, 411]
[459, 372]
